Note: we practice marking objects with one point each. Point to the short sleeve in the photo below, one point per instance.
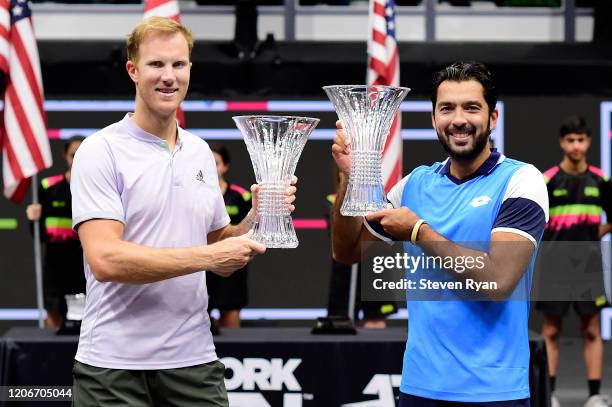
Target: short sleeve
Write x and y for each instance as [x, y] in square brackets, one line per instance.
[524, 208]
[395, 194]
[395, 199]
[220, 218]
[94, 184]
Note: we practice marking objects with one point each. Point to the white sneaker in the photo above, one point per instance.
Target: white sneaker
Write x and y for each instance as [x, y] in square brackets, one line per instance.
[554, 401]
[597, 400]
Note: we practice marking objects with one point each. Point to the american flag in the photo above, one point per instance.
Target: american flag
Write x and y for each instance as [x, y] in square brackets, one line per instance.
[170, 9]
[24, 140]
[5, 26]
[383, 69]
[162, 8]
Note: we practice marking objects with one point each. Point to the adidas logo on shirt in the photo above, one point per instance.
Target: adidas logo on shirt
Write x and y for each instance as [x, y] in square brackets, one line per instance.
[481, 200]
[200, 176]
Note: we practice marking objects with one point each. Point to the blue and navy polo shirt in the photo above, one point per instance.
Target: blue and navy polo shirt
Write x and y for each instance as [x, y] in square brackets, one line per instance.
[472, 351]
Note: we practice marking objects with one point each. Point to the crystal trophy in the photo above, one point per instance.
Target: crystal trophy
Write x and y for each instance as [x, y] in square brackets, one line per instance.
[367, 113]
[275, 144]
[76, 310]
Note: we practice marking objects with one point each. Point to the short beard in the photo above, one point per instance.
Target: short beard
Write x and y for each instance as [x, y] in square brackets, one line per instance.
[480, 143]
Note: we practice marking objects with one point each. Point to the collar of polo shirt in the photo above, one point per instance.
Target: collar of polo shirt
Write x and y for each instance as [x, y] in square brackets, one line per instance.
[140, 134]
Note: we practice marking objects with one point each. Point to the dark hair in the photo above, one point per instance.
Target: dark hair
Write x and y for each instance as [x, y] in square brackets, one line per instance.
[574, 124]
[73, 139]
[223, 152]
[467, 71]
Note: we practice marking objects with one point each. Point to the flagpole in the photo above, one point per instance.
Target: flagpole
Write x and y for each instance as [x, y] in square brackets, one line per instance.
[26, 138]
[353, 292]
[37, 257]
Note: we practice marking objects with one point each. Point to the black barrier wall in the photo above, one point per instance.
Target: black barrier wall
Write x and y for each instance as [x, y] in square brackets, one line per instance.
[280, 367]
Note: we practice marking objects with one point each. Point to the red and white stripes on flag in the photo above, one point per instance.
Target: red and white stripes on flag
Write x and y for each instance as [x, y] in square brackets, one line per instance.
[25, 144]
[5, 26]
[162, 8]
[170, 9]
[383, 69]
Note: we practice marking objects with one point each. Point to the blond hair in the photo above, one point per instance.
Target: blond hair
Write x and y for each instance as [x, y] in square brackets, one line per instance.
[152, 25]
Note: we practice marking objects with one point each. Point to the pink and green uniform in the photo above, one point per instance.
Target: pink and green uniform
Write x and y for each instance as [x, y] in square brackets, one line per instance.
[237, 203]
[63, 260]
[577, 202]
[230, 293]
[56, 217]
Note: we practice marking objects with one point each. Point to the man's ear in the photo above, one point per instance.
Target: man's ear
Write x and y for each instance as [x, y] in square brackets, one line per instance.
[493, 118]
[132, 70]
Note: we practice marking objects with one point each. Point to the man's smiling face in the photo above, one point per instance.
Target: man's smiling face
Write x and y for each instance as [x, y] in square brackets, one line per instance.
[161, 73]
[461, 118]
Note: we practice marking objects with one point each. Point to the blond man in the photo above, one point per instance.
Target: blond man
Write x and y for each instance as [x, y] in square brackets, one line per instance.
[151, 218]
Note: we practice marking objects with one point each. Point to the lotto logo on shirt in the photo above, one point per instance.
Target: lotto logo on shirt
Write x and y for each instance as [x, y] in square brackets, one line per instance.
[481, 200]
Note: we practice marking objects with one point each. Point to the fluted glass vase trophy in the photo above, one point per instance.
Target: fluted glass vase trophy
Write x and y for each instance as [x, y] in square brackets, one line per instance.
[367, 113]
[275, 144]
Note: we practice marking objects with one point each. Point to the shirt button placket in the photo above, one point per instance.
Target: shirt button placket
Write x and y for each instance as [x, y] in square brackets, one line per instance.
[176, 176]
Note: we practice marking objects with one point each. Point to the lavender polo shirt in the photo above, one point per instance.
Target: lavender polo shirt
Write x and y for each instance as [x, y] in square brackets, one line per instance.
[164, 199]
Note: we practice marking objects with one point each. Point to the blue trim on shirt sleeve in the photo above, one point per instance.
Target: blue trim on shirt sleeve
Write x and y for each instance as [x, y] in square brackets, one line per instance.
[523, 214]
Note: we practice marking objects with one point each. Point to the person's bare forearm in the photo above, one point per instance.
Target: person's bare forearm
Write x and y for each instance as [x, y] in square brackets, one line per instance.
[346, 230]
[111, 258]
[604, 229]
[131, 263]
[503, 264]
[241, 228]
[503, 260]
